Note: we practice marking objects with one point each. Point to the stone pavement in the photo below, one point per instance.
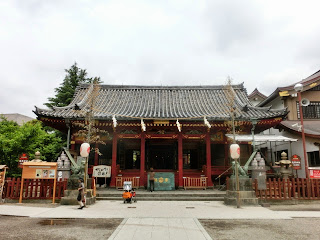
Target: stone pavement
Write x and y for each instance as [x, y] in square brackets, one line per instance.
[155, 219]
[160, 228]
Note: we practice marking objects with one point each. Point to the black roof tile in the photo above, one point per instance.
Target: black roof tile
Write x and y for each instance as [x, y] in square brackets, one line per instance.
[161, 102]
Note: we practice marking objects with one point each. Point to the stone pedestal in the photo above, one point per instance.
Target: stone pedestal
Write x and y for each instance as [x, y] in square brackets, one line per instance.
[73, 183]
[70, 197]
[247, 195]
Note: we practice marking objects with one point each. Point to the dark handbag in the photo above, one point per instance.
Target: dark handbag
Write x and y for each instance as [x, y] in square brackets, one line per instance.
[79, 197]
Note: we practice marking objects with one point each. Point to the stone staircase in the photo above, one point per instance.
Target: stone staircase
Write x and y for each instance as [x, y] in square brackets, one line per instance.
[178, 195]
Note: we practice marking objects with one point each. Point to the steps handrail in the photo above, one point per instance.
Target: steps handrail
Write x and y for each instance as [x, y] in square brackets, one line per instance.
[223, 173]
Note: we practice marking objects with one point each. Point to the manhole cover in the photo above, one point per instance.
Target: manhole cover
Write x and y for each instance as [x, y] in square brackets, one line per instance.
[189, 207]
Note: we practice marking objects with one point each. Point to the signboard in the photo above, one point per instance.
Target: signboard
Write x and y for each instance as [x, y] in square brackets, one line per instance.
[217, 137]
[314, 173]
[101, 171]
[39, 170]
[2, 178]
[163, 181]
[296, 162]
[22, 159]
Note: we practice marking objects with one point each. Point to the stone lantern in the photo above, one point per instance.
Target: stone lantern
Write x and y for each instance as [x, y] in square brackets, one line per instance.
[63, 166]
[258, 170]
[285, 166]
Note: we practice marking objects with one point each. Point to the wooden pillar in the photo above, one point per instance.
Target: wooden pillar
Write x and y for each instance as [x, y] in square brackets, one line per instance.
[96, 156]
[114, 160]
[142, 158]
[180, 160]
[208, 152]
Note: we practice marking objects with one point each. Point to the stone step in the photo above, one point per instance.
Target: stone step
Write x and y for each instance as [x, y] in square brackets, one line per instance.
[150, 195]
[180, 198]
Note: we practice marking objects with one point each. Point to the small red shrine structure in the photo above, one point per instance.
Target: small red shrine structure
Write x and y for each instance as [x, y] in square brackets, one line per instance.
[179, 129]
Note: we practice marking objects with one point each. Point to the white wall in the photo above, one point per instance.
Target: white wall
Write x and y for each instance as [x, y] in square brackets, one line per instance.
[296, 147]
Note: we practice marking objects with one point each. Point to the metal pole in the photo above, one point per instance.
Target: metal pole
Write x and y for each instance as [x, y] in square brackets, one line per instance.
[303, 139]
[252, 132]
[236, 164]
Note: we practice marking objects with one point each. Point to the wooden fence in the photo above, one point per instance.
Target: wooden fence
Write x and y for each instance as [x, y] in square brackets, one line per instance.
[135, 181]
[33, 188]
[295, 188]
[195, 183]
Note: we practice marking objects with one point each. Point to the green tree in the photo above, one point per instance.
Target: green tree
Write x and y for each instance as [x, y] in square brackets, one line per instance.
[28, 138]
[75, 76]
[64, 94]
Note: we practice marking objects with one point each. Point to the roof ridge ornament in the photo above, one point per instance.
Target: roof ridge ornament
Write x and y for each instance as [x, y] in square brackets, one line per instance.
[206, 122]
[143, 125]
[178, 125]
[114, 121]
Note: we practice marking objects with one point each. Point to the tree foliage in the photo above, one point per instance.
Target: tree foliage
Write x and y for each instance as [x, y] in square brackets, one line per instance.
[28, 138]
[64, 94]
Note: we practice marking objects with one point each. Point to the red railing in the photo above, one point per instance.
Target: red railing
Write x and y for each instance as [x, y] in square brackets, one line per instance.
[135, 181]
[195, 183]
[33, 188]
[295, 188]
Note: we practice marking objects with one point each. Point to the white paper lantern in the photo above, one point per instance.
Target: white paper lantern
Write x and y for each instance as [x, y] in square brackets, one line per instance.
[85, 149]
[234, 151]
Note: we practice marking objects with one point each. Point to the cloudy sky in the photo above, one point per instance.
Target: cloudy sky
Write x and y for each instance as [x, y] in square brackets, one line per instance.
[264, 44]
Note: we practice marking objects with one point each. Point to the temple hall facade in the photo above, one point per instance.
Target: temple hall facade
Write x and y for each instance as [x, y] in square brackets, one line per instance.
[176, 129]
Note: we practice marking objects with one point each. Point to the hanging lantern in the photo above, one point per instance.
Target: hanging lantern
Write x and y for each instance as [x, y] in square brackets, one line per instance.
[234, 151]
[85, 149]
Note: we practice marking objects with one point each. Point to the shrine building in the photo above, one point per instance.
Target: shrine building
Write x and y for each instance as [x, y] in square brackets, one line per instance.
[176, 129]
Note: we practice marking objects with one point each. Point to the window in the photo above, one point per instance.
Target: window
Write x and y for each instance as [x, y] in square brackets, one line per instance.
[312, 111]
[314, 160]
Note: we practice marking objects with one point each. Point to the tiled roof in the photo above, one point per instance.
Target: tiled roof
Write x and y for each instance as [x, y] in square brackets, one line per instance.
[307, 84]
[161, 102]
[311, 128]
[257, 92]
[16, 117]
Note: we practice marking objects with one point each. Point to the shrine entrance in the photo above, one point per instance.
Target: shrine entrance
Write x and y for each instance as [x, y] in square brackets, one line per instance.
[161, 154]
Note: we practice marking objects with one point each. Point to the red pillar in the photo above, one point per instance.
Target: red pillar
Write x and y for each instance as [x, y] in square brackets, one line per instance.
[180, 160]
[142, 158]
[114, 160]
[306, 163]
[208, 151]
[96, 156]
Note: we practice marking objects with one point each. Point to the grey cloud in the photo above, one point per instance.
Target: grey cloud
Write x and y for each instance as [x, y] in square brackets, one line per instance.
[234, 23]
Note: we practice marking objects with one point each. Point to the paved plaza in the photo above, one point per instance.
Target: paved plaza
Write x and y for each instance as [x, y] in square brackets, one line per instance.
[155, 219]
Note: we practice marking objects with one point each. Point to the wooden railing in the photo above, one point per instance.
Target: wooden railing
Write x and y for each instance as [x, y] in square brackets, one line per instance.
[195, 183]
[135, 181]
[295, 188]
[33, 188]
